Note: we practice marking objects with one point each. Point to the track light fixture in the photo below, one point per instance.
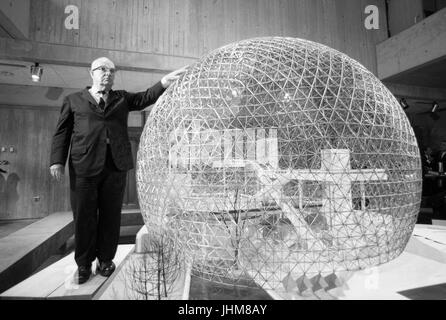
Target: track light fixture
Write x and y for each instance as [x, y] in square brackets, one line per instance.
[435, 106]
[404, 104]
[36, 72]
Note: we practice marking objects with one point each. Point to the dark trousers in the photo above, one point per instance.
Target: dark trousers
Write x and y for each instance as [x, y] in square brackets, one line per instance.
[96, 203]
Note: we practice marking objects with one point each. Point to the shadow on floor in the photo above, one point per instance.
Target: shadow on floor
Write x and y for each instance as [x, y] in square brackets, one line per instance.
[201, 289]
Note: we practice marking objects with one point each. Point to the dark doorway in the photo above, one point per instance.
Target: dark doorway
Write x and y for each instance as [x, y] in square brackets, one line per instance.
[131, 195]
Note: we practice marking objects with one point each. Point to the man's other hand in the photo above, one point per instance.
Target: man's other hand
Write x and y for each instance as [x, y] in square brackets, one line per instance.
[170, 78]
[57, 171]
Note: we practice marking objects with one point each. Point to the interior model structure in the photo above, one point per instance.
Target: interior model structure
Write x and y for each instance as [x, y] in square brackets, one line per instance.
[279, 158]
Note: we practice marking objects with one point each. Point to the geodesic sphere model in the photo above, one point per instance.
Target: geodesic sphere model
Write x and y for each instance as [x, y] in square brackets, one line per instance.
[277, 158]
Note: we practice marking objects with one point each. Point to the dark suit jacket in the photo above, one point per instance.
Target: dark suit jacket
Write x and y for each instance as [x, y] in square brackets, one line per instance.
[83, 125]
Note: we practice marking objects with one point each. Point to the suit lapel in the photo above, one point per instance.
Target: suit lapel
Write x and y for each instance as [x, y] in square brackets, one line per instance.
[93, 104]
[110, 105]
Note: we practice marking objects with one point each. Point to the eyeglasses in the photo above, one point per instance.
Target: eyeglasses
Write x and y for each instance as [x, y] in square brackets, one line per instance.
[105, 69]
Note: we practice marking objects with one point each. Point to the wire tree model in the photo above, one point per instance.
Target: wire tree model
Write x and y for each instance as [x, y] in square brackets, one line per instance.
[279, 159]
[152, 275]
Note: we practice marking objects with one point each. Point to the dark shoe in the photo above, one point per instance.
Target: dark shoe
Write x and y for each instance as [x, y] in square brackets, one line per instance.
[83, 274]
[105, 268]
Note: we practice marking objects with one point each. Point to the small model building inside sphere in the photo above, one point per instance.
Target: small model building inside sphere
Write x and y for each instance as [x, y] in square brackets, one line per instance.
[274, 158]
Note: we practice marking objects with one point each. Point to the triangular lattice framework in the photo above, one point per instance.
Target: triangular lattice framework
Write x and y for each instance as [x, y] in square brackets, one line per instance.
[279, 158]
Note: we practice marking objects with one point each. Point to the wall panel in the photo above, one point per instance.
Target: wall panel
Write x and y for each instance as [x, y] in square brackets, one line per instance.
[403, 14]
[194, 27]
[29, 131]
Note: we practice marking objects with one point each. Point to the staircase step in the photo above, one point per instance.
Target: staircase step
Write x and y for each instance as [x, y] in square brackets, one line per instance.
[57, 281]
[23, 251]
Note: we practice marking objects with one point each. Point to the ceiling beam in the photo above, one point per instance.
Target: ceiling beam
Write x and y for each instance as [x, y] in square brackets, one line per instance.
[21, 95]
[414, 47]
[33, 51]
[414, 92]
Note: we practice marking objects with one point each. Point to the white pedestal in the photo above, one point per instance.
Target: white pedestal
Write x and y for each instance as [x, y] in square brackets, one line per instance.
[137, 279]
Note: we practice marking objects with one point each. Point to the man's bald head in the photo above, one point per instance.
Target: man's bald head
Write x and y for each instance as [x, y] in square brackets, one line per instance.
[102, 62]
[102, 73]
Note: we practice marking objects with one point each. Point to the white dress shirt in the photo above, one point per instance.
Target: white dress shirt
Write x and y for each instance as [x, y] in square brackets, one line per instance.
[98, 94]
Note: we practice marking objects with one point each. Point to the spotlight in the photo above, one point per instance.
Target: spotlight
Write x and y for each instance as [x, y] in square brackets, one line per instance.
[434, 106]
[36, 72]
[404, 104]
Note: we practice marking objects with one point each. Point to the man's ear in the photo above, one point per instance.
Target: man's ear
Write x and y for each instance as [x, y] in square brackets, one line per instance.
[91, 73]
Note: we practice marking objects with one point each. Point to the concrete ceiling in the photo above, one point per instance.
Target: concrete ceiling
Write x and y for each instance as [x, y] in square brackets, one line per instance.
[18, 72]
[432, 75]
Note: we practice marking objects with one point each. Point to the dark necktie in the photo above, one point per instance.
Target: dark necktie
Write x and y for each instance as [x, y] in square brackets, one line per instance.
[101, 104]
[101, 100]
[102, 107]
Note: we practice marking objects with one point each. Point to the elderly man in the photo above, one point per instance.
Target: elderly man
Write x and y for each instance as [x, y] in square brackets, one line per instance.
[94, 122]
